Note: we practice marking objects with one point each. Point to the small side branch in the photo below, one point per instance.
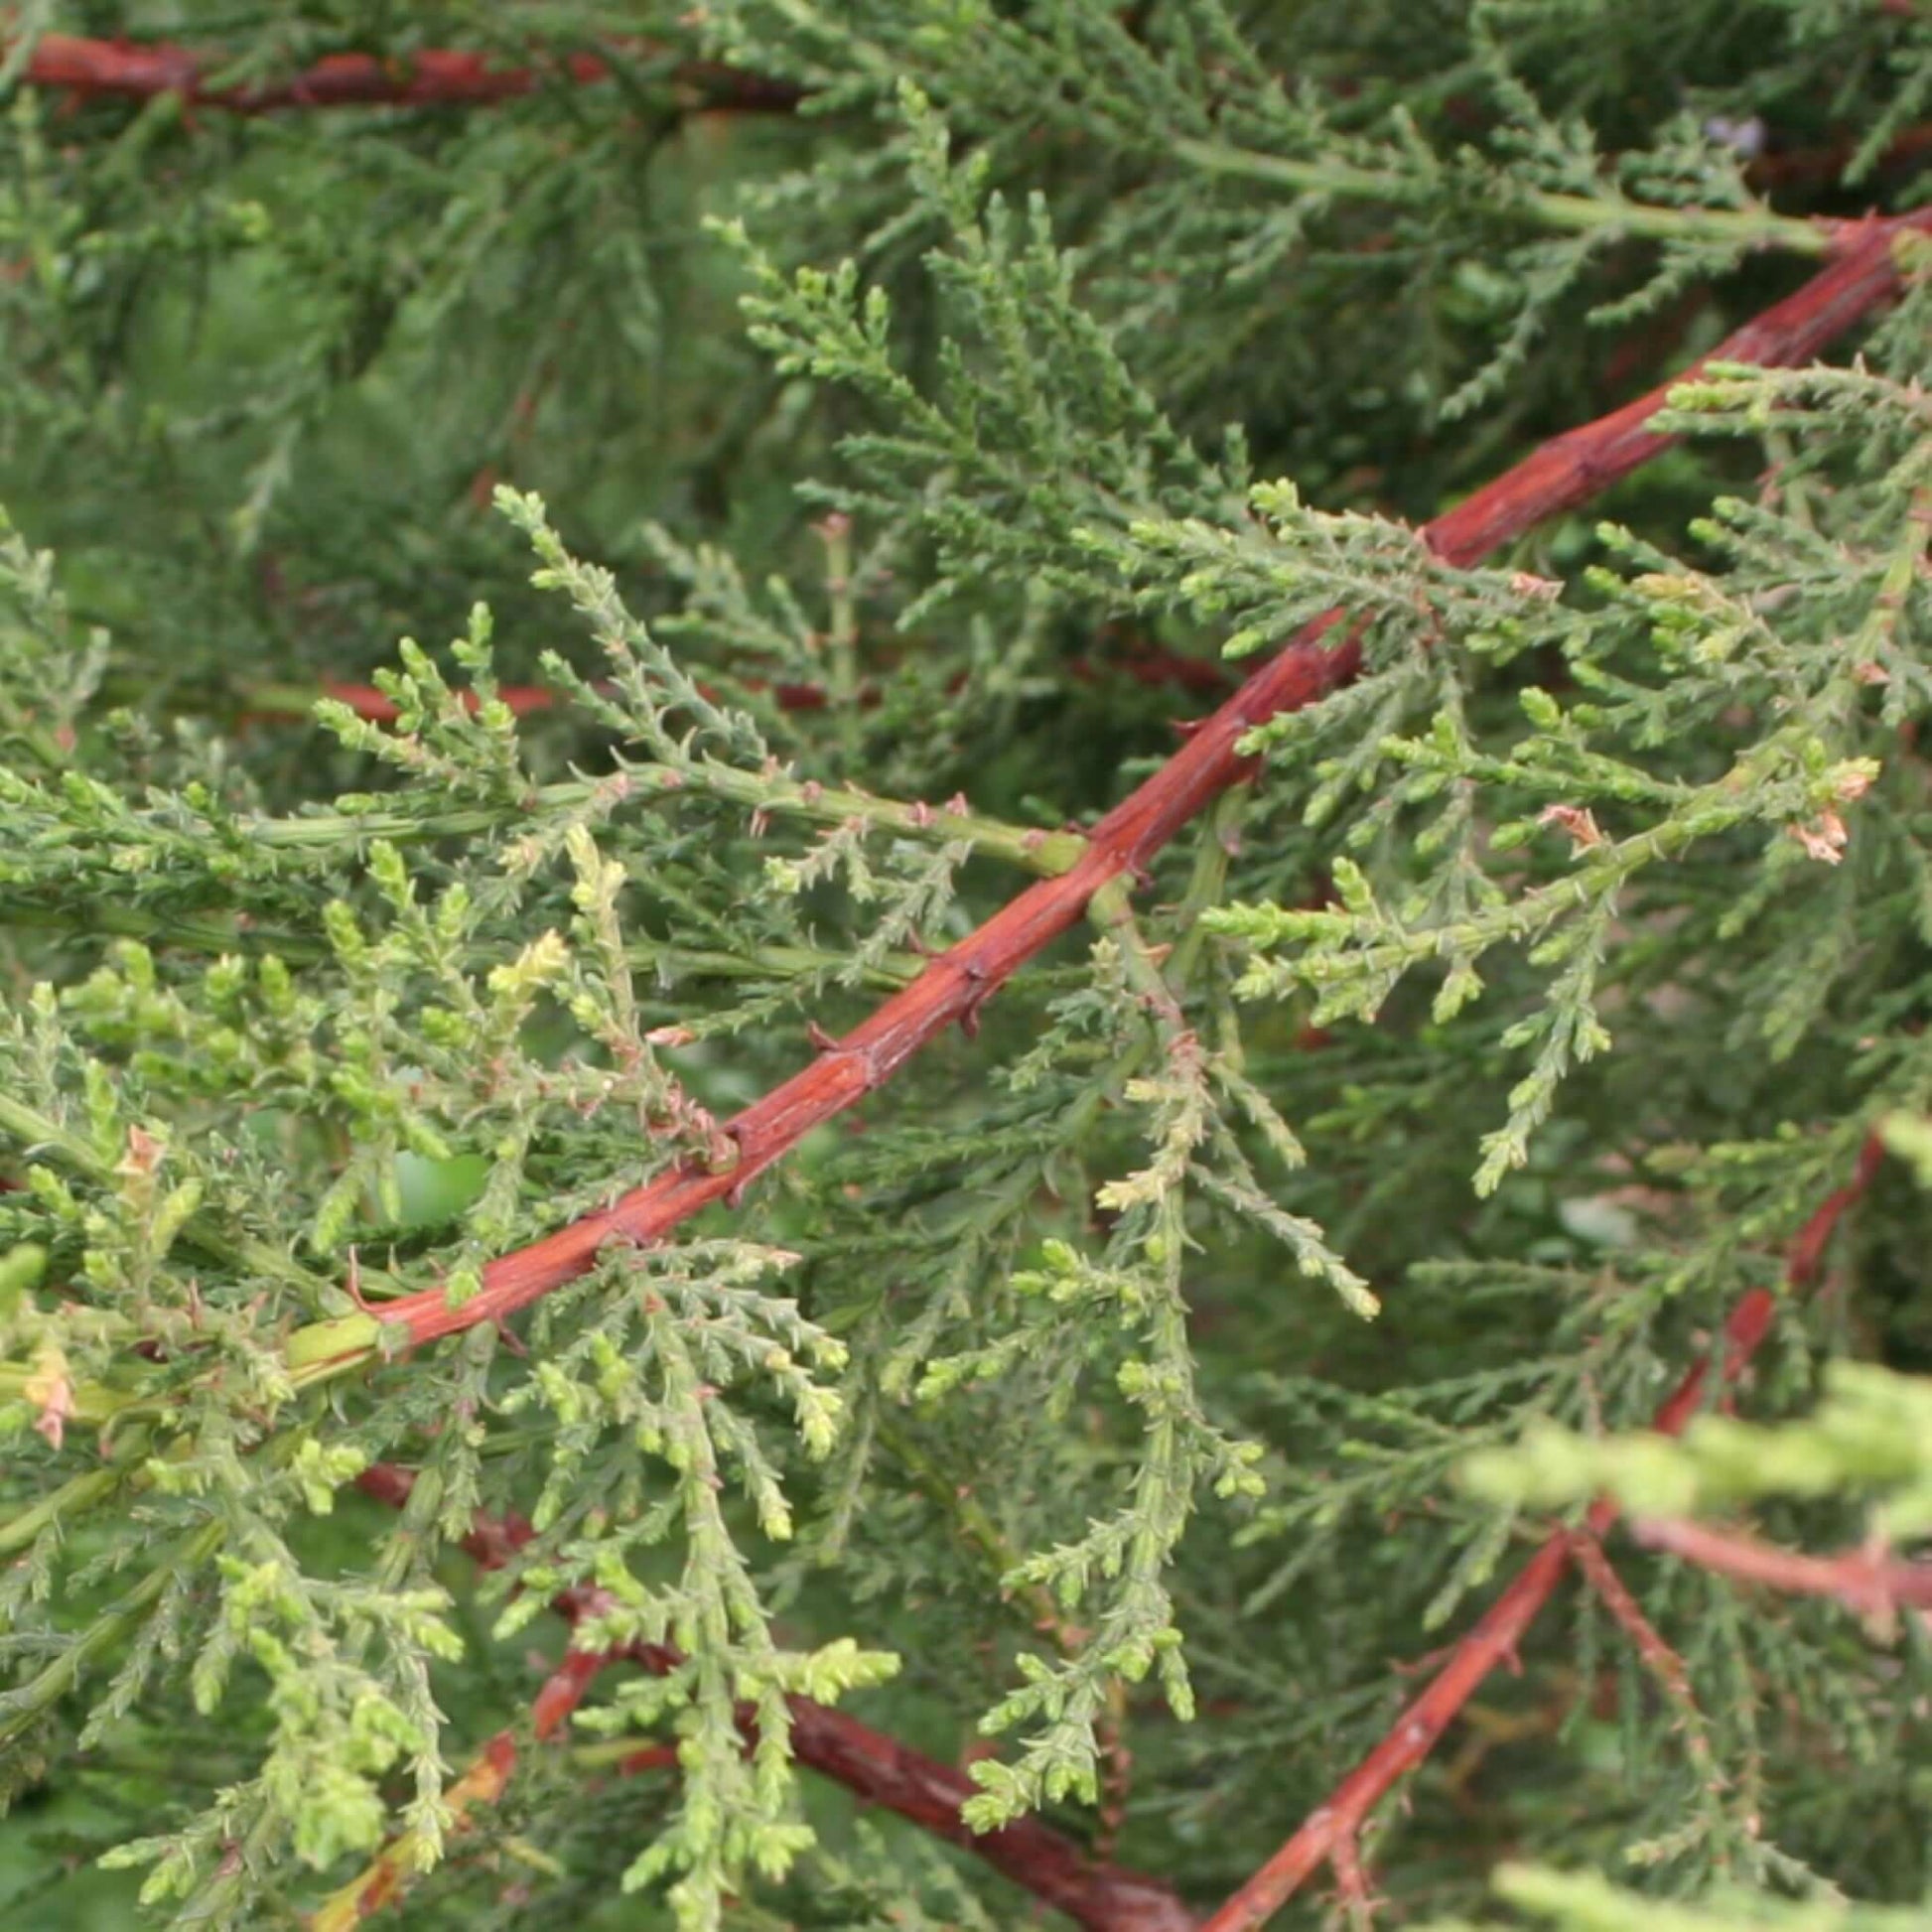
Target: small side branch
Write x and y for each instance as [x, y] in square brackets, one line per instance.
[1869, 1581]
[1336, 1824]
[1750, 1321]
[1333, 1826]
[1138, 663]
[876, 1768]
[387, 1875]
[1657, 1657]
[430, 77]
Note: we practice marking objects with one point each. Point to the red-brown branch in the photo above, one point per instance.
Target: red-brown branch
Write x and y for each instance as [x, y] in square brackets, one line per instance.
[1865, 1580]
[876, 1768]
[1556, 477]
[482, 1782]
[1351, 1884]
[428, 78]
[1338, 1820]
[1495, 1637]
[367, 701]
[1750, 1321]
[1657, 1656]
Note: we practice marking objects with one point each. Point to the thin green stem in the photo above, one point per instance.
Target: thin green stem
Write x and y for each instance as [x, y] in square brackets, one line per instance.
[957, 1500]
[608, 1753]
[841, 638]
[1569, 214]
[1045, 853]
[1112, 910]
[74, 1497]
[18, 727]
[31, 1701]
[645, 955]
[226, 1886]
[40, 1134]
[1217, 847]
[186, 930]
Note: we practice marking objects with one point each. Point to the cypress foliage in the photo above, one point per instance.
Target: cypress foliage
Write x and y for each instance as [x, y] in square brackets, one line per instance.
[1109, 1096]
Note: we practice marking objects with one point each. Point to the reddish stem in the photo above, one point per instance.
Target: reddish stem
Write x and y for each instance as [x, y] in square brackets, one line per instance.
[1336, 1821]
[1560, 474]
[1750, 1321]
[1862, 1580]
[873, 1767]
[1555, 476]
[878, 1769]
[1495, 1639]
[387, 1877]
[1657, 1656]
[564, 1690]
[430, 76]
[1351, 1883]
[378, 708]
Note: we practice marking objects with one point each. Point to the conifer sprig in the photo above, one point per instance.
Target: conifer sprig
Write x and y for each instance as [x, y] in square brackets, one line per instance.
[477, 749]
[955, 984]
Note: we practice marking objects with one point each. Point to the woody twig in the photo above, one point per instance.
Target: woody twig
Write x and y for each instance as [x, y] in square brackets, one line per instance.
[876, 1768]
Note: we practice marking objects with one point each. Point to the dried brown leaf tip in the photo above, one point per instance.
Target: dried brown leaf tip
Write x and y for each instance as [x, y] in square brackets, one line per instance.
[1525, 583]
[1576, 822]
[1824, 839]
[50, 1392]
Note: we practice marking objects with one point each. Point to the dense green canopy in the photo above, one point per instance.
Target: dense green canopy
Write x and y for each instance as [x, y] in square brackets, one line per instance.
[1106, 1090]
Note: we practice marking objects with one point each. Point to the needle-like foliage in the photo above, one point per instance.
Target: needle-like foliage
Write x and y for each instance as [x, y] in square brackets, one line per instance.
[1125, 952]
